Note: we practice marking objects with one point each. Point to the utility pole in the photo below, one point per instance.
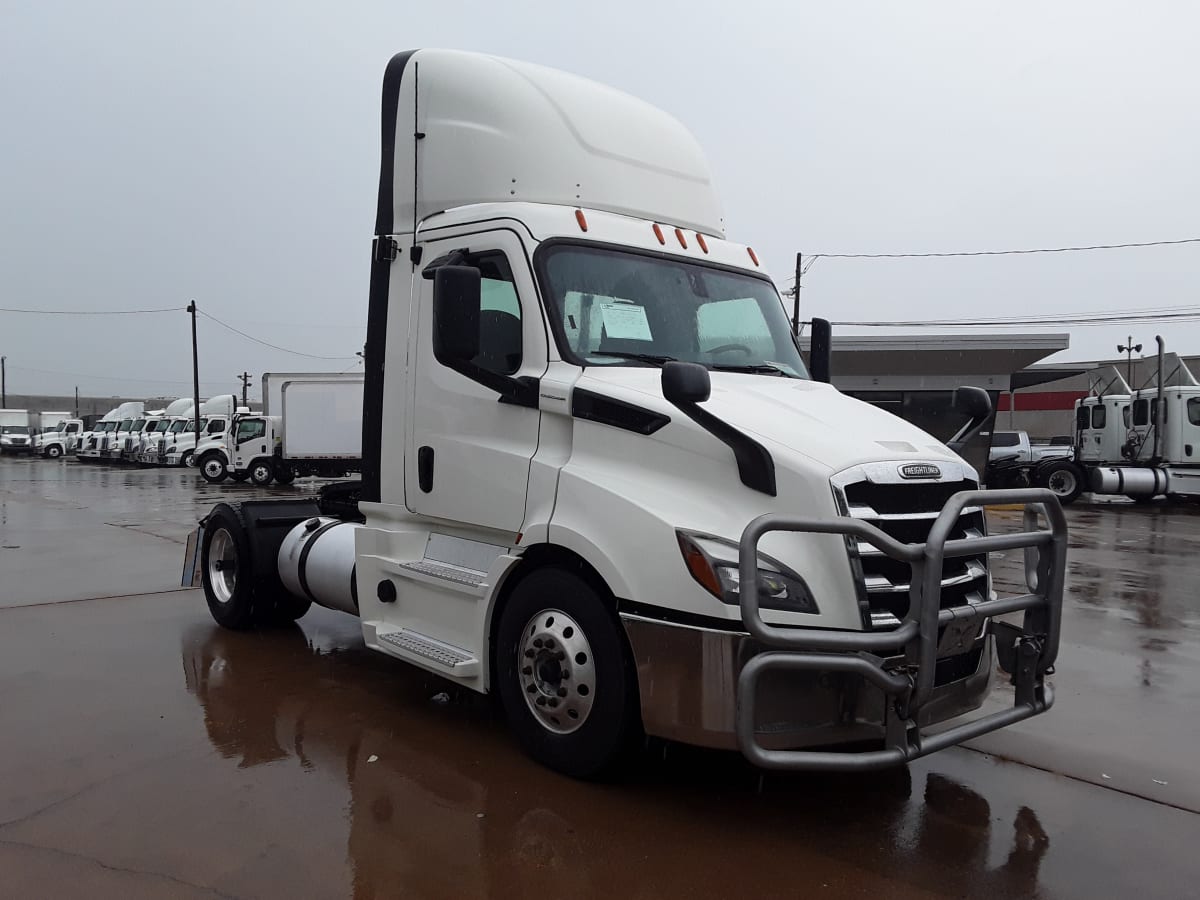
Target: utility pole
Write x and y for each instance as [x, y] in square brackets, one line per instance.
[796, 297]
[1129, 348]
[3, 381]
[191, 308]
[245, 379]
[77, 401]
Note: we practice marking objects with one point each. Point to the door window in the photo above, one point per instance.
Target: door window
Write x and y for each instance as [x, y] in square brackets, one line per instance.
[1099, 416]
[1081, 417]
[249, 429]
[216, 426]
[499, 316]
[1193, 408]
[1141, 412]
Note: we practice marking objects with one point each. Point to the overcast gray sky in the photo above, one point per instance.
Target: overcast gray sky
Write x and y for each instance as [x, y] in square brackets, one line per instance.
[154, 152]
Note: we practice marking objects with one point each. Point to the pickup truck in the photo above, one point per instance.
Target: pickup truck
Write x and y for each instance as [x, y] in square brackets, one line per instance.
[1014, 447]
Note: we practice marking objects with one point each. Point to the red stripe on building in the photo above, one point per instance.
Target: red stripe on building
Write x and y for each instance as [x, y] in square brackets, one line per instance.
[1040, 401]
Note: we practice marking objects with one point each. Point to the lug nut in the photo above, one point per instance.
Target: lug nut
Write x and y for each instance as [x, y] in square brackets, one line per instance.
[527, 670]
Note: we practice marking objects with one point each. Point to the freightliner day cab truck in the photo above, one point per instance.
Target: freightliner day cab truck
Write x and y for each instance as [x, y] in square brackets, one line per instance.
[60, 435]
[588, 428]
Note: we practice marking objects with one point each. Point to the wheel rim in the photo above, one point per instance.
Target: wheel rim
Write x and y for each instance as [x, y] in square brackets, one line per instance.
[222, 565]
[54, 452]
[261, 473]
[556, 671]
[1062, 483]
[186, 459]
[213, 468]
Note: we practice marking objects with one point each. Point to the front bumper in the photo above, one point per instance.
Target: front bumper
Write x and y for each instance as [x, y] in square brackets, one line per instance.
[777, 693]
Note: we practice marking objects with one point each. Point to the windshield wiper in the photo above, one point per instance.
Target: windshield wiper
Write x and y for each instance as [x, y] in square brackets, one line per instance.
[758, 369]
[640, 357]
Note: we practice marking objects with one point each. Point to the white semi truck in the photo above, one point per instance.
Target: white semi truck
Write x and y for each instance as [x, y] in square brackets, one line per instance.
[1141, 444]
[92, 443]
[598, 480]
[216, 416]
[60, 435]
[151, 449]
[317, 431]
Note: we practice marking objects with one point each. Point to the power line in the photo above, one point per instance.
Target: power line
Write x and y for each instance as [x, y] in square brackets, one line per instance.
[1085, 320]
[1017, 252]
[251, 337]
[91, 312]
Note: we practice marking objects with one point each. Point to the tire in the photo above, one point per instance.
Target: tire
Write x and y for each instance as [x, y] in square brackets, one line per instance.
[225, 564]
[53, 451]
[1063, 479]
[600, 685]
[212, 467]
[186, 458]
[262, 471]
[284, 474]
[238, 476]
[236, 598]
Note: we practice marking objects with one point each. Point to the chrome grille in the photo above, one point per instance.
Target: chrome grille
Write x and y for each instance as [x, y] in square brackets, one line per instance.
[906, 510]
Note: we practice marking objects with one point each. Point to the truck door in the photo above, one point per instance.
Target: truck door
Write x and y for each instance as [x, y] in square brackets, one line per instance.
[467, 455]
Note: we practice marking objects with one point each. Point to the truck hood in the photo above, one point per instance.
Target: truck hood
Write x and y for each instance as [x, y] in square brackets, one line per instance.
[789, 415]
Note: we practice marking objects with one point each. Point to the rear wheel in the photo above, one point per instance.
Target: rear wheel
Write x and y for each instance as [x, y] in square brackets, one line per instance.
[261, 472]
[565, 675]
[212, 467]
[284, 474]
[1063, 479]
[237, 598]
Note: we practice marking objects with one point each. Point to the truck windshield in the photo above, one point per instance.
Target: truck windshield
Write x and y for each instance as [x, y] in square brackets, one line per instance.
[617, 308]
[162, 425]
[13, 429]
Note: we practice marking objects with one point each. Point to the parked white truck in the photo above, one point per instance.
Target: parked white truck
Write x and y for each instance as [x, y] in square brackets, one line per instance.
[17, 430]
[151, 449]
[60, 435]
[216, 416]
[318, 431]
[588, 429]
[93, 442]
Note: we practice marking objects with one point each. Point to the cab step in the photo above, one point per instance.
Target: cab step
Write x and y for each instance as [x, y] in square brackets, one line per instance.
[406, 643]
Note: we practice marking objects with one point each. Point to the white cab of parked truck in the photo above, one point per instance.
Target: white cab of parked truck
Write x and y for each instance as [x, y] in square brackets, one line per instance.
[318, 432]
[91, 446]
[598, 479]
[132, 414]
[60, 435]
[1102, 418]
[212, 454]
[152, 450]
[17, 430]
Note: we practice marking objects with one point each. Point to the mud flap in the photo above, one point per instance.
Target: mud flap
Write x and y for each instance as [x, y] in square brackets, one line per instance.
[191, 560]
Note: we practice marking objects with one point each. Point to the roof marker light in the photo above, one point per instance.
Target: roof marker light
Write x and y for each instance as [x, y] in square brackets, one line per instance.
[753, 255]
[682, 239]
[702, 242]
[581, 220]
[658, 233]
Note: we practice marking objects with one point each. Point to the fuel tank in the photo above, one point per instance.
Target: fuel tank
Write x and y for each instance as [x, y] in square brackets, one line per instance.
[316, 560]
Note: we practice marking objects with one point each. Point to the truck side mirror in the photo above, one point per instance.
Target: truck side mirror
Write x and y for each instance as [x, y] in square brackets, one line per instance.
[456, 300]
[975, 403]
[820, 351]
[685, 383]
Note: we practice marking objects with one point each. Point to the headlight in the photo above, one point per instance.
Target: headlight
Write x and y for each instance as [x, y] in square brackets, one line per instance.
[713, 563]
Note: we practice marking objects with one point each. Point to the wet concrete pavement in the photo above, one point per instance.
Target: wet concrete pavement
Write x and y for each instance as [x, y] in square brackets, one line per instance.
[146, 752]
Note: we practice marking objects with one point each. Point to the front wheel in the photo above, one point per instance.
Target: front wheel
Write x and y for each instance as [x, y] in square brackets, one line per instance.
[186, 458]
[565, 674]
[212, 468]
[54, 451]
[261, 472]
[1063, 479]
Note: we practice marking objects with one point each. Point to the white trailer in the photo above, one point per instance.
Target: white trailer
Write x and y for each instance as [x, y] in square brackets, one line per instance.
[318, 433]
[599, 481]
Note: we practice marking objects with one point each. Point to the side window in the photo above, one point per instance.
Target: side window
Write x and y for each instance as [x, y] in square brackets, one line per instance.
[1193, 410]
[499, 316]
[1099, 415]
[1081, 417]
[216, 426]
[1141, 412]
[249, 429]
[1125, 415]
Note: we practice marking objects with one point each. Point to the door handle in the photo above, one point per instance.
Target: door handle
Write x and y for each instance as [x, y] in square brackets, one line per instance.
[425, 469]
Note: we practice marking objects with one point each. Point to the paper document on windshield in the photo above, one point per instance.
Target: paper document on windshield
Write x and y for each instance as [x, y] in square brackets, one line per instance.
[625, 320]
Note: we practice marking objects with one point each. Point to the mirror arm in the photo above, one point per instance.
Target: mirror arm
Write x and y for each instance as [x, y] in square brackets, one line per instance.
[521, 391]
